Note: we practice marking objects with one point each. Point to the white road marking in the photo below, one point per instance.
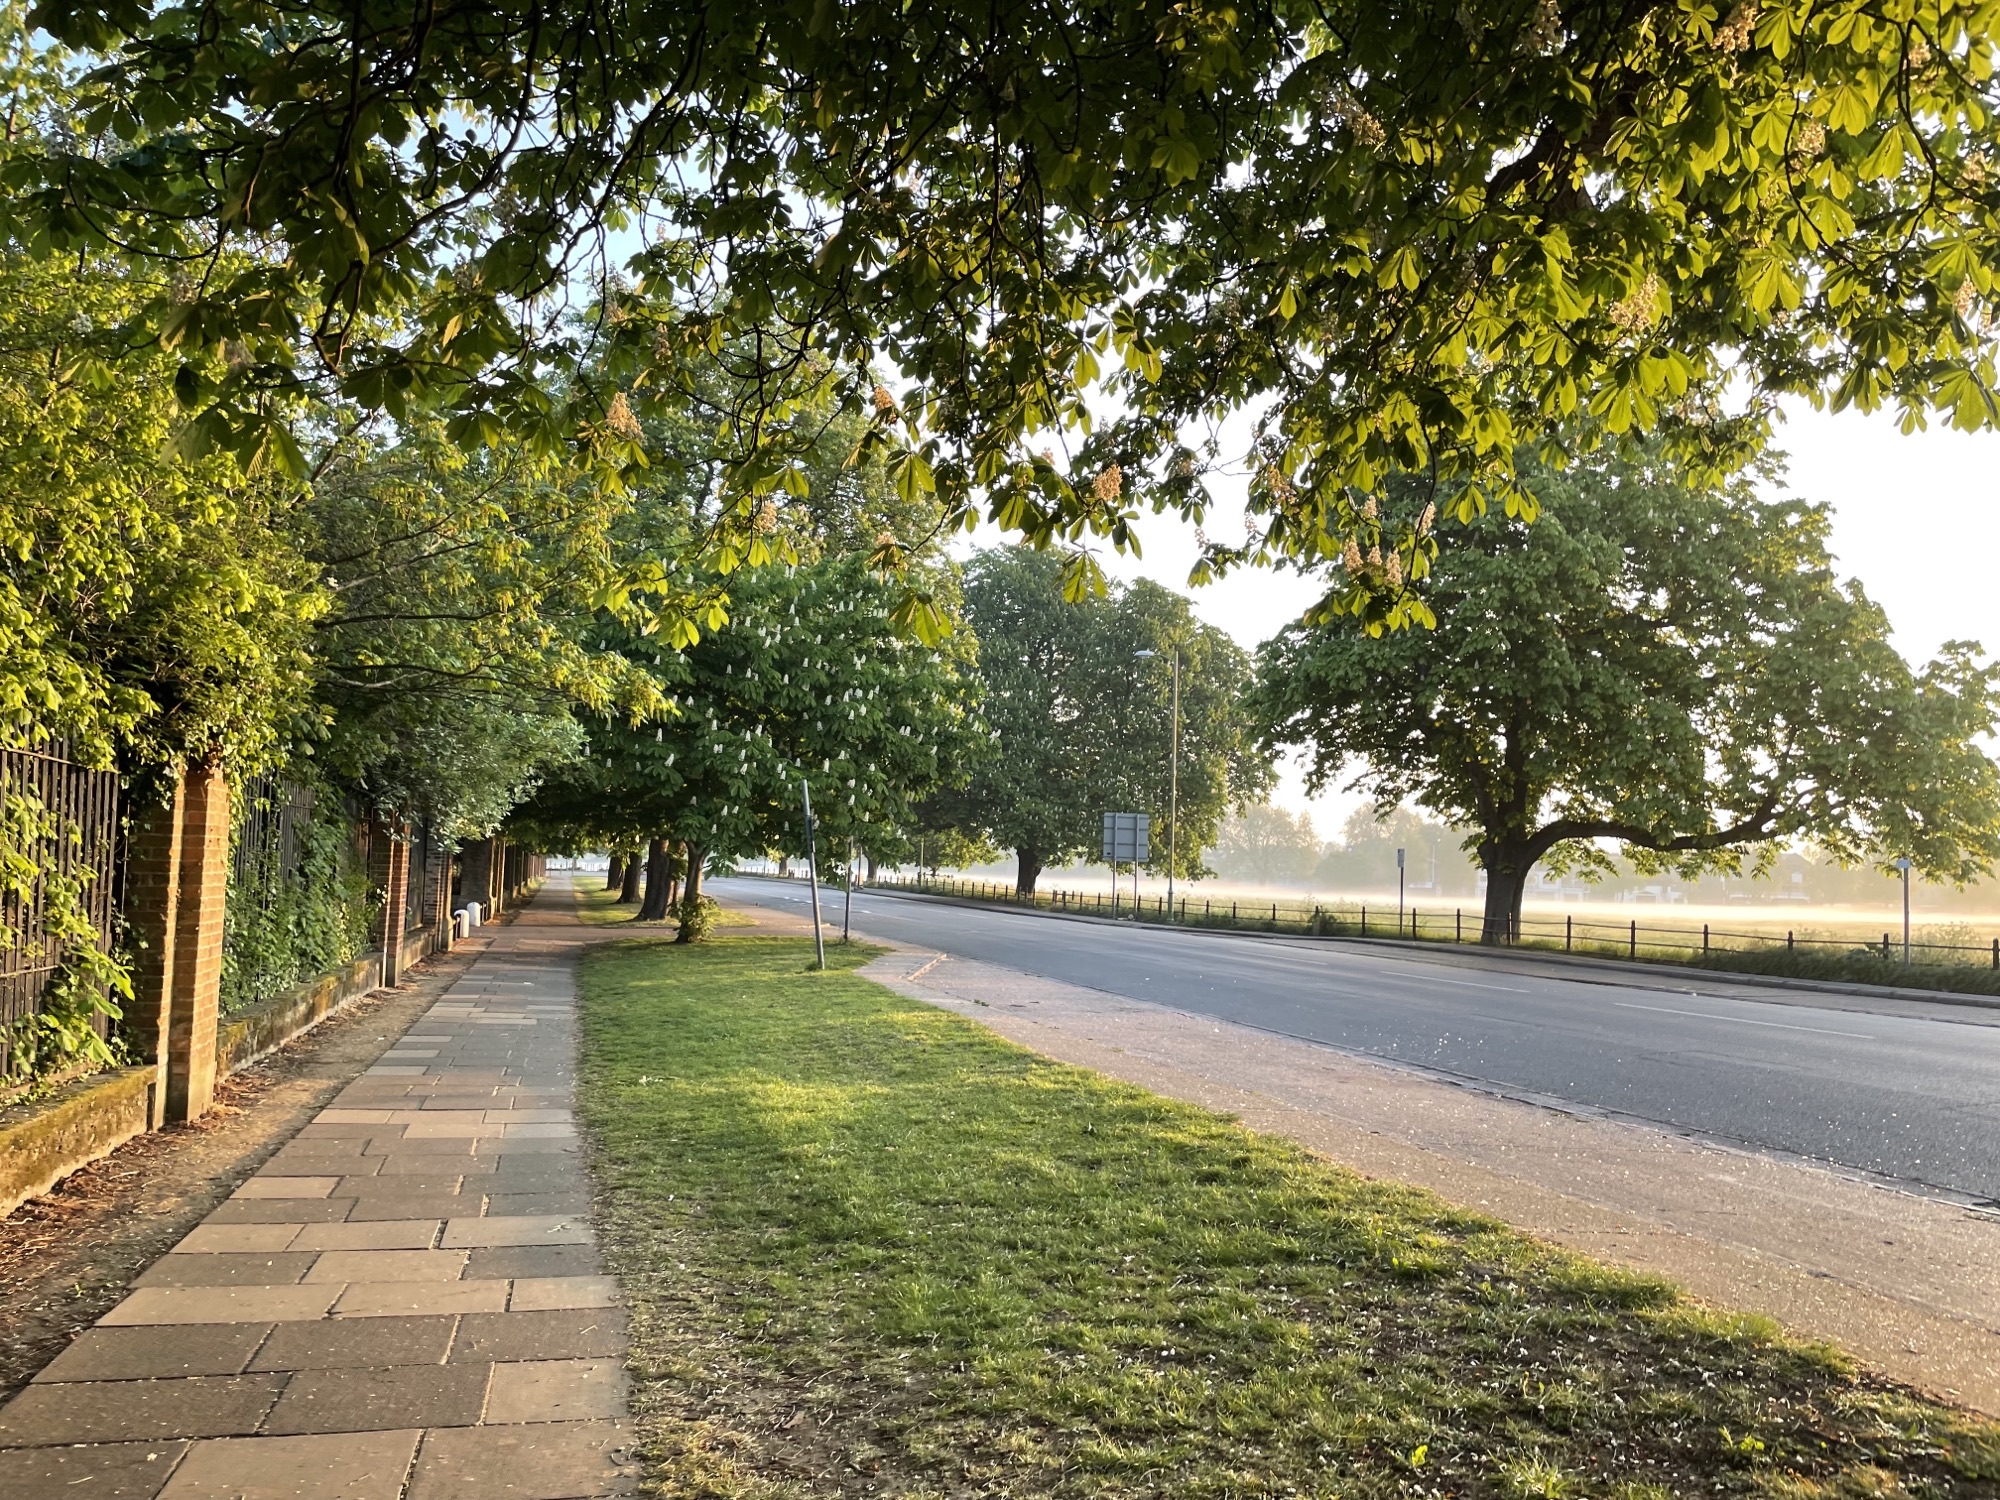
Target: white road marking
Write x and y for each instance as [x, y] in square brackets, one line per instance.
[1708, 1015]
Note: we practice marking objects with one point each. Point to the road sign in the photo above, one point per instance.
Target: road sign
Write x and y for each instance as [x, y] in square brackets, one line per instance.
[1399, 857]
[1125, 836]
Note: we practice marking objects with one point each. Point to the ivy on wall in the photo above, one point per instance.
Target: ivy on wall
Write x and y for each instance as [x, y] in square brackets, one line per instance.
[292, 919]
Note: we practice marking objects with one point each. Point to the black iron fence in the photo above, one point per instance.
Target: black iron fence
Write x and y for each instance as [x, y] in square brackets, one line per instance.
[274, 818]
[62, 840]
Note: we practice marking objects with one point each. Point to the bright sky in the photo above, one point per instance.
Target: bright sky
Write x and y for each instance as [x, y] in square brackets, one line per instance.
[1916, 519]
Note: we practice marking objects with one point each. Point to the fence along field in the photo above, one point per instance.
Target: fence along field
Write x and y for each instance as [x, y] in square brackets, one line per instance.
[1941, 955]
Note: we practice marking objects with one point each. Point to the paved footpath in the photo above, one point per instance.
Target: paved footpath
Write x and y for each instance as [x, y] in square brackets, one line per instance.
[403, 1304]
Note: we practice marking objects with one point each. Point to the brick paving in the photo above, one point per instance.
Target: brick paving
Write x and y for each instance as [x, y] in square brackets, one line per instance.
[405, 1303]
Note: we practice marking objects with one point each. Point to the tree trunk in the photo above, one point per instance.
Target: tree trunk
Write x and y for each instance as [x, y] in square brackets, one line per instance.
[691, 890]
[659, 879]
[628, 881]
[1507, 867]
[874, 868]
[614, 872]
[1028, 870]
[785, 866]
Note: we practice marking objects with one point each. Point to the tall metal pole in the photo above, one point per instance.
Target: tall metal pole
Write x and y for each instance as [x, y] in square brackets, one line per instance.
[1174, 787]
[1904, 865]
[847, 914]
[812, 872]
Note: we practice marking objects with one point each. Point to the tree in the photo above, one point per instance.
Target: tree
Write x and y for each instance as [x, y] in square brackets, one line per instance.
[1420, 239]
[1365, 857]
[806, 681]
[148, 611]
[455, 642]
[1266, 845]
[1080, 726]
[1669, 665]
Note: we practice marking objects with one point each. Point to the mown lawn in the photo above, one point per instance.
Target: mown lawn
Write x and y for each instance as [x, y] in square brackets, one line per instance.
[875, 1250]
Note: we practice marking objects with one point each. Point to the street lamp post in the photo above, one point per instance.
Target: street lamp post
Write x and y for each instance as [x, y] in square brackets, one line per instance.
[1904, 864]
[1173, 772]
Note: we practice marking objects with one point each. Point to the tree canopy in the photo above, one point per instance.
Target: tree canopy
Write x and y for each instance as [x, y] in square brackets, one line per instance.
[149, 610]
[1266, 845]
[1415, 240]
[806, 682]
[1081, 726]
[1668, 665]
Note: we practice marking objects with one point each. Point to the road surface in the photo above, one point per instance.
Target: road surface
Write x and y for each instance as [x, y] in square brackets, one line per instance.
[1912, 1096]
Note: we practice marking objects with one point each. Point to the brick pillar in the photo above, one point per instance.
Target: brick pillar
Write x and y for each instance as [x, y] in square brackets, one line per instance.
[152, 900]
[389, 881]
[475, 880]
[496, 875]
[441, 901]
[199, 905]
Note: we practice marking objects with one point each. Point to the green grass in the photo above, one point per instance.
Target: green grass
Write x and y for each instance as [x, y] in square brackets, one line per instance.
[872, 1249]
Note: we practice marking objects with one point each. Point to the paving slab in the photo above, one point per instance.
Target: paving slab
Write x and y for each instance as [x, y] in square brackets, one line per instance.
[356, 1344]
[565, 1333]
[378, 1398]
[107, 1411]
[532, 1262]
[150, 1353]
[336, 1466]
[404, 1303]
[226, 1270]
[529, 1461]
[104, 1471]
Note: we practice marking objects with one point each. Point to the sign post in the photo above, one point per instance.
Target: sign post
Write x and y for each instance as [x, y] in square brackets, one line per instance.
[1399, 890]
[1125, 842]
[812, 872]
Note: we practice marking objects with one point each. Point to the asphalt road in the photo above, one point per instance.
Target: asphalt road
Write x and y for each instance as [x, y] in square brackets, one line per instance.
[1914, 1097]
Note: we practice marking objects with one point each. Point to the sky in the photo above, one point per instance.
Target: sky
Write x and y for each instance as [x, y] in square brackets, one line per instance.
[1916, 520]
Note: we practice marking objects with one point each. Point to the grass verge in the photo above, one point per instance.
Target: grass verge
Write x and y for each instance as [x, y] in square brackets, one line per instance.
[873, 1249]
[598, 907]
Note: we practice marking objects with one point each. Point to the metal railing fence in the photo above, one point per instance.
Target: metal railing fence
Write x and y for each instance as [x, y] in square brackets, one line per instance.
[69, 815]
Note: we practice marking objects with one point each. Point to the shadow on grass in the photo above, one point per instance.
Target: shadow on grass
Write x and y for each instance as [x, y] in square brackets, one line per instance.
[872, 1248]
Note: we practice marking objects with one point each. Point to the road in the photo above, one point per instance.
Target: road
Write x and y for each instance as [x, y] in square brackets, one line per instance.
[1913, 1097]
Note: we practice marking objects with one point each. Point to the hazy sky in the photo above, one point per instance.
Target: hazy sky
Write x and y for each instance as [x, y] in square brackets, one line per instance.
[1916, 519]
